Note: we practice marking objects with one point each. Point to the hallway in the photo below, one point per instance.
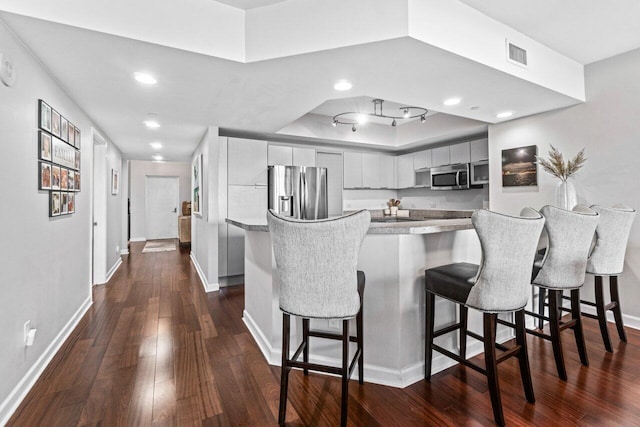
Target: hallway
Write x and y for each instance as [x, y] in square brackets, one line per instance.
[155, 350]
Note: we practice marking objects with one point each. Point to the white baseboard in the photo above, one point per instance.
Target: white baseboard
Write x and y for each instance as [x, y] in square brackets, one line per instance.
[113, 269]
[231, 280]
[124, 252]
[629, 321]
[13, 400]
[208, 287]
[138, 239]
[399, 378]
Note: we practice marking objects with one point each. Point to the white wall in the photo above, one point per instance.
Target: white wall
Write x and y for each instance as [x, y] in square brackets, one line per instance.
[138, 171]
[204, 228]
[114, 209]
[44, 262]
[607, 126]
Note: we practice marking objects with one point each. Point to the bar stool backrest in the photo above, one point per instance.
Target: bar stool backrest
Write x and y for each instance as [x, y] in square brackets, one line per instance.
[612, 235]
[317, 264]
[508, 249]
[570, 235]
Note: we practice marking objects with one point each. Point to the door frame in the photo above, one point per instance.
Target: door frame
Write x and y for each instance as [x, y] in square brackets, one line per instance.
[146, 201]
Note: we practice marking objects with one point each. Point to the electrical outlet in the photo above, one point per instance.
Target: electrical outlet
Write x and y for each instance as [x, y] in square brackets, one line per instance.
[27, 328]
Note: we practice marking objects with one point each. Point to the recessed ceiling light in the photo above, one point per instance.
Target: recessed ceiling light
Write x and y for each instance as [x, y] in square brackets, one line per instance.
[155, 145]
[158, 157]
[151, 124]
[452, 101]
[145, 78]
[504, 114]
[342, 85]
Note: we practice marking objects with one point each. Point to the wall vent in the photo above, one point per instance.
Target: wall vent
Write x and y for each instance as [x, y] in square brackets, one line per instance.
[516, 54]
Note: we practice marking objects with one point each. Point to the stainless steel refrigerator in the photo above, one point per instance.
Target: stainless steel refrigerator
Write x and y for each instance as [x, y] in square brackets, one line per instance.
[298, 191]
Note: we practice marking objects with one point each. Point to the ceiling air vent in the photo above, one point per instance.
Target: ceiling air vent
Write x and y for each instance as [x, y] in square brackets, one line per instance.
[516, 54]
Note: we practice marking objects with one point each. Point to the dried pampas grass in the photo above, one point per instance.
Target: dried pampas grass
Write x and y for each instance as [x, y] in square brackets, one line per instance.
[556, 166]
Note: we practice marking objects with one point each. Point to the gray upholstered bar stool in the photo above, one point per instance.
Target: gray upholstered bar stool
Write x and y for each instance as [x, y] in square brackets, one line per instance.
[562, 267]
[317, 267]
[500, 284]
[607, 259]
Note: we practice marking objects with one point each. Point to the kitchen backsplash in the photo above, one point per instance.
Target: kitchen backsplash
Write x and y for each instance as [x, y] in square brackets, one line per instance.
[417, 198]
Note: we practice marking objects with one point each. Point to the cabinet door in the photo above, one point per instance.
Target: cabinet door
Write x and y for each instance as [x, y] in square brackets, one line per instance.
[352, 170]
[387, 169]
[422, 159]
[304, 156]
[244, 203]
[370, 170]
[406, 174]
[247, 162]
[479, 150]
[459, 153]
[279, 155]
[440, 156]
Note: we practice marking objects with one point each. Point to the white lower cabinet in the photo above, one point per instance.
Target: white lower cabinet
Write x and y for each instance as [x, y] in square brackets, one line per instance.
[243, 202]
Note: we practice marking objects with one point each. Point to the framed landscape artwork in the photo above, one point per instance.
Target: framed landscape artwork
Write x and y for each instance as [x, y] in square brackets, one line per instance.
[519, 167]
[196, 182]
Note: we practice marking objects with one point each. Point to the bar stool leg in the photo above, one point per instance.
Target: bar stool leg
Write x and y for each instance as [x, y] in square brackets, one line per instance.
[602, 314]
[360, 341]
[345, 373]
[284, 371]
[577, 328]
[429, 303]
[464, 312]
[305, 339]
[542, 296]
[489, 321]
[554, 329]
[617, 310]
[523, 356]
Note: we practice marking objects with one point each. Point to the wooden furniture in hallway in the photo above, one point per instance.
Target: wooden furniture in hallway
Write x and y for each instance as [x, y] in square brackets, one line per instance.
[155, 350]
[184, 229]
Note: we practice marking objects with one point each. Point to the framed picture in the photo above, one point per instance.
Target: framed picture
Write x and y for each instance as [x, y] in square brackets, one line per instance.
[64, 129]
[45, 146]
[54, 203]
[77, 160]
[72, 134]
[115, 181]
[76, 184]
[44, 116]
[72, 181]
[64, 178]
[519, 167]
[77, 138]
[44, 176]
[71, 200]
[55, 177]
[196, 182]
[64, 203]
[55, 123]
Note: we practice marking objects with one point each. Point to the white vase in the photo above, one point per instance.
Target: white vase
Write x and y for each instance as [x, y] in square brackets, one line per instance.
[566, 197]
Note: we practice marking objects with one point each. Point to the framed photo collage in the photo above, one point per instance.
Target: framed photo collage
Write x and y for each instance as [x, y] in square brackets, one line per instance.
[58, 160]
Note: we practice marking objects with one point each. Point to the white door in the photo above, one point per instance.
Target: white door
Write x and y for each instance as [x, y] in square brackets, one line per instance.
[333, 163]
[99, 202]
[162, 198]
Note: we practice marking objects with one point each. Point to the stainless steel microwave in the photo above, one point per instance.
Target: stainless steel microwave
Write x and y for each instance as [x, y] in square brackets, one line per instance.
[452, 177]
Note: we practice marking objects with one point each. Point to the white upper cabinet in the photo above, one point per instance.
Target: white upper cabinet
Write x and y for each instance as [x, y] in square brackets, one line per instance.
[405, 168]
[370, 170]
[479, 150]
[459, 153]
[422, 159]
[387, 171]
[352, 170]
[247, 162]
[304, 156]
[280, 155]
[440, 156]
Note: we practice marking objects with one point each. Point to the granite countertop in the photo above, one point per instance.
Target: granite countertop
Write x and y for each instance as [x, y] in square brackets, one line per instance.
[420, 222]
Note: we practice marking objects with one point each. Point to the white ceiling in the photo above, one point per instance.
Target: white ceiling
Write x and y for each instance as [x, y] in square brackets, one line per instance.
[585, 30]
[249, 4]
[195, 90]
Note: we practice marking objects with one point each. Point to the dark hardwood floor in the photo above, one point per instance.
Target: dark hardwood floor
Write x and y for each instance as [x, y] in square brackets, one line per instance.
[155, 350]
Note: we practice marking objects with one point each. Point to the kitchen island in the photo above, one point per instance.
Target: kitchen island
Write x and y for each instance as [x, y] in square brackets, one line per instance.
[393, 256]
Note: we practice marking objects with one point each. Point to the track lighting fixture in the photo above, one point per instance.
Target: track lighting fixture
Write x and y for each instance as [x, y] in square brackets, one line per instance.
[352, 118]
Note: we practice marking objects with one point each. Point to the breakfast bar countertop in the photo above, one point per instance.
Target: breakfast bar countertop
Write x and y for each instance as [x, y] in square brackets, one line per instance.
[420, 222]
